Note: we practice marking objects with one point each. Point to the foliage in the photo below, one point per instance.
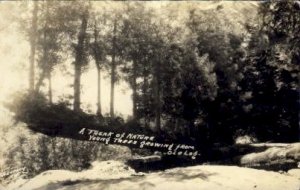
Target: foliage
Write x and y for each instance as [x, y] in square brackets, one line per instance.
[197, 78]
[271, 77]
[38, 153]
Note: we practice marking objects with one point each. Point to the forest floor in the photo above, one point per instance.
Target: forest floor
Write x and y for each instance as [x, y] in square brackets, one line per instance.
[117, 175]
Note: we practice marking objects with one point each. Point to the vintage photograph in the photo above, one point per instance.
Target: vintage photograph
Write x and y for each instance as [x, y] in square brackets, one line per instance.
[149, 95]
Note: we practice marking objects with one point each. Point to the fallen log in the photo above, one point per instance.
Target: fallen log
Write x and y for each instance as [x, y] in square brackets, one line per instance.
[275, 157]
[269, 156]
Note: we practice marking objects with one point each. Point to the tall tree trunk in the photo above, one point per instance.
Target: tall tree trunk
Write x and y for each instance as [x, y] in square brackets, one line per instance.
[145, 97]
[40, 81]
[33, 47]
[157, 102]
[77, 82]
[48, 64]
[157, 108]
[45, 67]
[113, 71]
[50, 87]
[98, 65]
[79, 59]
[99, 112]
[134, 89]
[112, 87]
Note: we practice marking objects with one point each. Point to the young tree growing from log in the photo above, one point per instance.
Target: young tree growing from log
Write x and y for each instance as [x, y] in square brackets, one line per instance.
[114, 22]
[32, 39]
[80, 58]
[135, 42]
[99, 54]
[49, 44]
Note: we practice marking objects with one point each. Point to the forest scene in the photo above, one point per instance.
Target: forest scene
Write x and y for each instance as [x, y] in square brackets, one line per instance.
[218, 79]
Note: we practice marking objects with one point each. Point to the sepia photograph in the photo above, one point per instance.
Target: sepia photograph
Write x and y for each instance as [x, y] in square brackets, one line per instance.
[149, 95]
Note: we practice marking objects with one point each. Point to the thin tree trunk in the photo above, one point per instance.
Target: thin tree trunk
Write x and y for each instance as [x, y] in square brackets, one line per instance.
[157, 103]
[50, 87]
[40, 81]
[157, 109]
[145, 99]
[112, 88]
[134, 89]
[113, 71]
[77, 82]
[99, 112]
[79, 62]
[33, 47]
[97, 61]
[45, 67]
[48, 64]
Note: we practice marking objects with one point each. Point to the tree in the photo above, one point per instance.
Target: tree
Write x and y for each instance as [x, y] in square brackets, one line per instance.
[99, 54]
[113, 69]
[49, 44]
[114, 22]
[143, 45]
[72, 23]
[156, 72]
[216, 38]
[80, 57]
[48, 40]
[32, 39]
[274, 65]
[135, 42]
[281, 24]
